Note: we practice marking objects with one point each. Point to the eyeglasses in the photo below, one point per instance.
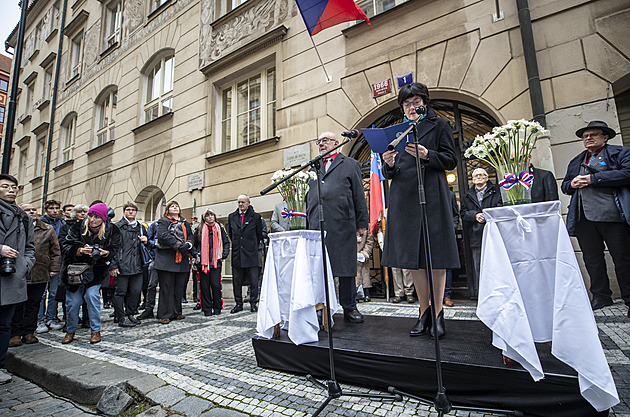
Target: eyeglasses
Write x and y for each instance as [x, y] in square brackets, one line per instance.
[414, 104]
[479, 175]
[7, 187]
[591, 135]
[323, 140]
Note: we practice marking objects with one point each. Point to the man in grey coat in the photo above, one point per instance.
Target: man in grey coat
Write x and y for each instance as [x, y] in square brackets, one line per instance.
[18, 257]
[345, 215]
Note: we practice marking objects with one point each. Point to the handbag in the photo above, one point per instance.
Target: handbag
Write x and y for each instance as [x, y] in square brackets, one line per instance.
[80, 274]
[147, 256]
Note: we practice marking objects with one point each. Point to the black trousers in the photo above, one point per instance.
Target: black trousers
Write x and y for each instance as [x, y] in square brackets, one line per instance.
[348, 293]
[245, 276]
[172, 291]
[126, 294]
[591, 236]
[25, 317]
[211, 296]
[196, 285]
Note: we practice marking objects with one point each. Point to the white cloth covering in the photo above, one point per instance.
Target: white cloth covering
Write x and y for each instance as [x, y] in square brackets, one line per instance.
[531, 290]
[293, 284]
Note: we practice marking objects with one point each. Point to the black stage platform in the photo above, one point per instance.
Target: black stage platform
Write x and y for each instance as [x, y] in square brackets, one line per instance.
[379, 353]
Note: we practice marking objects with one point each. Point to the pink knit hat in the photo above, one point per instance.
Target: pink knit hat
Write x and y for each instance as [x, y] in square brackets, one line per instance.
[100, 210]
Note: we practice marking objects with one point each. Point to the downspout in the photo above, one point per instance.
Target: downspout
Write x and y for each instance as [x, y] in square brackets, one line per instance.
[531, 63]
[53, 104]
[17, 63]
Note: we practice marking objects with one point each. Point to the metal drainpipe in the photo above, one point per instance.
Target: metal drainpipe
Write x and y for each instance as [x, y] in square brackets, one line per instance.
[17, 63]
[53, 104]
[531, 63]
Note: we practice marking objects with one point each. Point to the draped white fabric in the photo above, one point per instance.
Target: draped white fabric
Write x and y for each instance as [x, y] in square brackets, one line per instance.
[293, 284]
[531, 290]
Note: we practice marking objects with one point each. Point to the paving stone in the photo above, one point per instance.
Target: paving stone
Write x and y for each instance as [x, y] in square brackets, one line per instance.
[114, 401]
[192, 406]
[155, 411]
[167, 395]
[146, 383]
[222, 412]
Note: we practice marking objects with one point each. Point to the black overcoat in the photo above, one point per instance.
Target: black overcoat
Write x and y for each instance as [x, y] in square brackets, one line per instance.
[402, 246]
[345, 211]
[470, 208]
[166, 253]
[544, 187]
[245, 238]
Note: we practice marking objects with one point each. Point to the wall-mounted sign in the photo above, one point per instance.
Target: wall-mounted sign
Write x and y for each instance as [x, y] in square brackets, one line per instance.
[297, 155]
[381, 88]
[404, 79]
[195, 181]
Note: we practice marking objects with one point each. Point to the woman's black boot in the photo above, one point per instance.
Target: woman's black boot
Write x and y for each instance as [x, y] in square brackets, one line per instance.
[441, 328]
[424, 322]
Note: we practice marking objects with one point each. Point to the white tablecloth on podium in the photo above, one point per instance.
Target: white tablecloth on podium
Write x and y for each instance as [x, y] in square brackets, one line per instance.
[531, 290]
[293, 284]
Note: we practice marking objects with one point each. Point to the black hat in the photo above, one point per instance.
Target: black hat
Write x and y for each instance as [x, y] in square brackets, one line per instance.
[597, 124]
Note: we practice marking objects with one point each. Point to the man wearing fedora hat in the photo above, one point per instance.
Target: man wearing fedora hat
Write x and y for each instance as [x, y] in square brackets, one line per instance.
[598, 181]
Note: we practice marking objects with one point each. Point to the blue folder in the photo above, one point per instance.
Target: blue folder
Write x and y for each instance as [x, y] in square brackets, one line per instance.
[378, 139]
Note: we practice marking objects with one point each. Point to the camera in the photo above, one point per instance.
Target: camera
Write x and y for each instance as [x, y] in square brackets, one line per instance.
[96, 252]
[7, 266]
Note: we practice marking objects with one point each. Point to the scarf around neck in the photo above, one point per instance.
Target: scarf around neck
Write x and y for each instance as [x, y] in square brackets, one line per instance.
[217, 246]
[178, 254]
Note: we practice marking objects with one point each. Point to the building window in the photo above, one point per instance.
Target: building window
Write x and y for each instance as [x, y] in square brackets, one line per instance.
[76, 55]
[38, 36]
[105, 118]
[4, 85]
[157, 3]
[1, 115]
[249, 110]
[229, 5]
[22, 165]
[374, 7]
[154, 207]
[30, 91]
[48, 77]
[113, 23]
[159, 89]
[68, 133]
[40, 156]
[54, 17]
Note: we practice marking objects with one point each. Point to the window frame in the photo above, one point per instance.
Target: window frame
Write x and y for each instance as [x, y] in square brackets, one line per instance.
[2, 114]
[153, 105]
[22, 161]
[105, 115]
[30, 93]
[48, 82]
[6, 82]
[40, 156]
[76, 51]
[112, 36]
[68, 134]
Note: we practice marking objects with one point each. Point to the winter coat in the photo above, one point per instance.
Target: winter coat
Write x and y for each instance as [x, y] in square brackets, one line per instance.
[365, 243]
[57, 224]
[345, 211]
[544, 187]
[168, 244]
[16, 231]
[245, 238]
[224, 238]
[128, 260]
[47, 254]
[471, 206]
[403, 237]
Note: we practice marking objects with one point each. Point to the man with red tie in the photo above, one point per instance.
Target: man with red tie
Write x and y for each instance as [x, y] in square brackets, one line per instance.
[345, 215]
[245, 231]
[599, 212]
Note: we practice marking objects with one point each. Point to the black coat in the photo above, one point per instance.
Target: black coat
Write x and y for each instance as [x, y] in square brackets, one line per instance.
[544, 187]
[224, 238]
[345, 211]
[166, 253]
[129, 258]
[402, 246]
[470, 208]
[245, 238]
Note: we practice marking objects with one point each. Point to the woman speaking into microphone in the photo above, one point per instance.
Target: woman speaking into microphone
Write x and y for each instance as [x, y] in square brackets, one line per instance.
[403, 246]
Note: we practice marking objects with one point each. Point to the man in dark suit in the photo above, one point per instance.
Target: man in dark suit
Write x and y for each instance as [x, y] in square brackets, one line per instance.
[544, 187]
[597, 180]
[345, 215]
[245, 231]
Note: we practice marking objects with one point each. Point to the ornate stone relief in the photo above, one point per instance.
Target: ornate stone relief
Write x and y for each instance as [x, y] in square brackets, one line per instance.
[133, 15]
[91, 48]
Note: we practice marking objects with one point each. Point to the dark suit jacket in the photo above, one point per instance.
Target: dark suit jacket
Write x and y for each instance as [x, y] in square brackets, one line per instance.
[544, 187]
[470, 208]
[245, 238]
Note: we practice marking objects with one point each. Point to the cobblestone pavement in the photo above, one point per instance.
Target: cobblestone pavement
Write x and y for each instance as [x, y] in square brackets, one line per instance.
[213, 358]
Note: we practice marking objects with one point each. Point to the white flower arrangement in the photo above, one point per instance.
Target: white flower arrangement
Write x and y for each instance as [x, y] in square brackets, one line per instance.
[294, 192]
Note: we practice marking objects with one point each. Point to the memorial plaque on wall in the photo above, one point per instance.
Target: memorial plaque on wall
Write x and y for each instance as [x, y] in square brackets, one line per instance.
[296, 155]
[195, 181]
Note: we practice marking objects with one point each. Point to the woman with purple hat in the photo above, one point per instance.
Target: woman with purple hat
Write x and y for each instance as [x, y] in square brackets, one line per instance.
[92, 242]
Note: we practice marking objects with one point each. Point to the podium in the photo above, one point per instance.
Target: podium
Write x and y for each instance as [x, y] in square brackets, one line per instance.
[531, 291]
[293, 285]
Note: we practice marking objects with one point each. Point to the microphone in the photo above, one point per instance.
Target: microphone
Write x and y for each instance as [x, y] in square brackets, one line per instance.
[421, 110]
[352, 134]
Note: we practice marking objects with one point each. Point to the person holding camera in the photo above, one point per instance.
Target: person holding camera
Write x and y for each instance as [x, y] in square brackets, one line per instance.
[17, 252]
[172, 262]
[89, 247]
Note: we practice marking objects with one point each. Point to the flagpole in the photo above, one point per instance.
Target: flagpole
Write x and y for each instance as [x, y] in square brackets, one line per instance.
[328, 77]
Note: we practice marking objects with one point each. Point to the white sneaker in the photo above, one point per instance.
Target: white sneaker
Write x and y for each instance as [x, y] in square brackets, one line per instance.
[5, 377]
[54, 324]
[41, 328]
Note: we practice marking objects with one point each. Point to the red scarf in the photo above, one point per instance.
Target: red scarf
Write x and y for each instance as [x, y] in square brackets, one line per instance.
[178, 254]
[217, 246]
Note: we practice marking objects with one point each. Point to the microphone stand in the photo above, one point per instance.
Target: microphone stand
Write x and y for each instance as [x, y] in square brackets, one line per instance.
[331, 385]
[441, 402]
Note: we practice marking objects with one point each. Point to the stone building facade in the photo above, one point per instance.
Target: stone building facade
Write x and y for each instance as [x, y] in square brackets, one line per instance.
[202, 100]
[5, 72]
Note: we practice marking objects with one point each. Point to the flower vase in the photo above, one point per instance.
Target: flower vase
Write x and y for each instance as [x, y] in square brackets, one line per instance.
[515, 187]
[297, 216]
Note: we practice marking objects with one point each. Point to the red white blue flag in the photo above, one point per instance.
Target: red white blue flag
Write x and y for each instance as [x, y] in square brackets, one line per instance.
[321, 14]
[376, 191]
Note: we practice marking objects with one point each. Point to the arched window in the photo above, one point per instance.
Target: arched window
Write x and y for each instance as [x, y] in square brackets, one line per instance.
[105, 116]
[154, 207]
[68, 134]
[158, 90]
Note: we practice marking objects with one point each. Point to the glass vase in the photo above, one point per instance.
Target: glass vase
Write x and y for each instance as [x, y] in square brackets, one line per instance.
[297, 221]
[514, 192]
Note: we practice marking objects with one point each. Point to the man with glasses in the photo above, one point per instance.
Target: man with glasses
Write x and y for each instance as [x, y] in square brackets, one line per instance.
[345, 215]
[597, 181]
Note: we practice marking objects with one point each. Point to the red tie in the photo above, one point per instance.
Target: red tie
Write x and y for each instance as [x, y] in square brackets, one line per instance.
[242, 216]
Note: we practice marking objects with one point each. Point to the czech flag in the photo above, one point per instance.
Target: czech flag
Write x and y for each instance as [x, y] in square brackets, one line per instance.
[376, 191]
[321, 14]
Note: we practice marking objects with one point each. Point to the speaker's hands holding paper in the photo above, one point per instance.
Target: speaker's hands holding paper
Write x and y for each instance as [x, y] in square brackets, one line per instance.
[423, 152]
[388, 157]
